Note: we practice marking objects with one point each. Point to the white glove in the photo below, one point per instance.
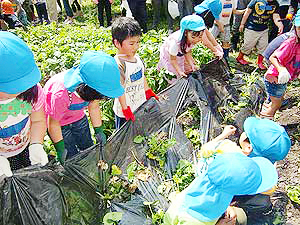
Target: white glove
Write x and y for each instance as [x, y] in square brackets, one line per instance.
[219, 51]
[284, 76]
[37, 155]
[5, 167]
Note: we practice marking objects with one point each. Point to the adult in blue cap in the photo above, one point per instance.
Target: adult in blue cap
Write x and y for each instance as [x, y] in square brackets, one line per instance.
[22, 120]
[209, 196]
[69, 93]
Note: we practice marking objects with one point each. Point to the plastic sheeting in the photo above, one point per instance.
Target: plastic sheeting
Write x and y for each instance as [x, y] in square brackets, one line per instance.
[73, 193]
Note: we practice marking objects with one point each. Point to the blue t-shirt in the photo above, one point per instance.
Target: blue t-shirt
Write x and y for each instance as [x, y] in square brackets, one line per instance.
[262, 12]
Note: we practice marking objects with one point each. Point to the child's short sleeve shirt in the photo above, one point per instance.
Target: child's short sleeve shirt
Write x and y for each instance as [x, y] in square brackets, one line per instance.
[134, 81]
[171, 46]
[227, 7]
[62, 105]
[288, 55]
[15, 124]
[262, 12]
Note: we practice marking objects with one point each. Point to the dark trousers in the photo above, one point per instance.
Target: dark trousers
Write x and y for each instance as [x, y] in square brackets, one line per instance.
[185, 8]
[77, 136]
[9, 20]
[101, 5]
[119, 121]
[41, 10]
[75, 6]
[68, 8]
[139, 12]
[157, 5]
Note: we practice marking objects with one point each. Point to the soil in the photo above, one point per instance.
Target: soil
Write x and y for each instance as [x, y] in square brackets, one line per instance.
[289, 168]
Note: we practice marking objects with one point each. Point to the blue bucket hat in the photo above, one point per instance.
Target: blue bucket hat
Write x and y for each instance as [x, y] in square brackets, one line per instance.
[215, 6]
[297, 19]
[268, 139]
[19, 71]
[99, 71]
[191, 22]
[229, 174]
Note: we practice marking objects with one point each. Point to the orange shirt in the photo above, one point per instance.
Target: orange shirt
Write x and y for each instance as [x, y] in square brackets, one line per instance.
[7, 7]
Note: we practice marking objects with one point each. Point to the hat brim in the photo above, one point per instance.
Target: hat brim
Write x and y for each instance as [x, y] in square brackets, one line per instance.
[22, 84]
[210, 202]
[72, 79]
[268, 173]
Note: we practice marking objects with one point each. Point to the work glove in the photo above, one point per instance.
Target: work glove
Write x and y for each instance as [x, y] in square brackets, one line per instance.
[149, 93]
[37, 154]
[283, 76]
[61, 152]
[128, 114]
[99, 134]
[5, 167]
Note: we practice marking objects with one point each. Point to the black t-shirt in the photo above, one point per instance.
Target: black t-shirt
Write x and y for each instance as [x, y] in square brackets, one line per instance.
[262, 12]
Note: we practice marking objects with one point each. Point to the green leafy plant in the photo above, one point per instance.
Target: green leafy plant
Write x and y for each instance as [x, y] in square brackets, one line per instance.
[112, 218]
[294, 193]
[159, 144]
[184, 174]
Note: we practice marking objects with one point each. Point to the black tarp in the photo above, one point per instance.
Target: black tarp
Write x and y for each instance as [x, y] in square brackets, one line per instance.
[73, 193]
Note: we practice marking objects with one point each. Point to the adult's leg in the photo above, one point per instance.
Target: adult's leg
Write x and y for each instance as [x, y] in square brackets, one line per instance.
[8, 19]
[188, 7]
[52, 9]
[169, 18]
[141, 14]
[100, 6]
[156, 12]
[68, 8]
[39, 12]
[108, 12]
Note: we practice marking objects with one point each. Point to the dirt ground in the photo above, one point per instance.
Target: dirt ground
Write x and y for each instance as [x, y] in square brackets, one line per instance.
[289, 168]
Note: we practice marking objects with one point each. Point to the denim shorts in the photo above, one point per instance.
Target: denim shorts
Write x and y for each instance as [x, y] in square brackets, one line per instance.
[275, 90]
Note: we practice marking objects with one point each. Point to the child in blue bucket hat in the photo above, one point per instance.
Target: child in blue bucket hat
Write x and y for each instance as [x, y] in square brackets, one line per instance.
[176, 51]
[22, 120]
[261, 138]
[209, 196]
[69, 93]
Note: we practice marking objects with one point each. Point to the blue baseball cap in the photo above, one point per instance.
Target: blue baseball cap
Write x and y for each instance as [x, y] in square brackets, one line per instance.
[191, 22]
[215, 6]
[297, 19]
[268, 139]
[229, 174]
[19, 71]
[99, 71]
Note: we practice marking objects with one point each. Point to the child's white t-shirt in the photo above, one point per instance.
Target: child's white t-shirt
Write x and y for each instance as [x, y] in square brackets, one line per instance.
[133, 83]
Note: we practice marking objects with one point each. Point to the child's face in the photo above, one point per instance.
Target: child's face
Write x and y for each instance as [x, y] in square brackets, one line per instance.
[129, 46]
[192, 38]
[5, 96]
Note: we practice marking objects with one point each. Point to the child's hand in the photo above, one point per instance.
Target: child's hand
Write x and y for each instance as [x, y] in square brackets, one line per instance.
[5, 167]
[280, 28]
[271, 79]
[128, 114]
[182, 74]
[228, 130]
[241, 28]
[219, 51]
[149, 93]
[194, 67]
[111, 1]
